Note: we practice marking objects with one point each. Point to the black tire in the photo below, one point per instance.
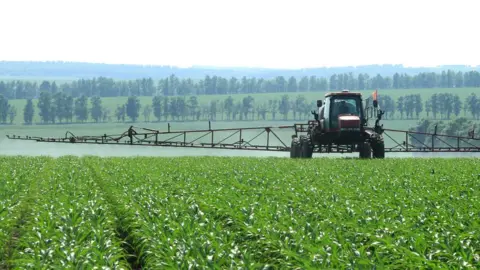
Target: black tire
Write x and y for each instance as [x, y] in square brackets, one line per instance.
[306, 146]
[298, 150]
[378, 149]
[365, 150]
[295, 148]
[292, 149]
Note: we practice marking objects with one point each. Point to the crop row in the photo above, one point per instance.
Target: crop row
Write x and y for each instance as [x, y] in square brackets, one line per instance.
[240, 213]
[66, 223]
[17, 187]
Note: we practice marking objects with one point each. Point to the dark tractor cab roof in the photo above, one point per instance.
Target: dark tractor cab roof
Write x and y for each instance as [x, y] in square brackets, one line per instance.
[343, 93]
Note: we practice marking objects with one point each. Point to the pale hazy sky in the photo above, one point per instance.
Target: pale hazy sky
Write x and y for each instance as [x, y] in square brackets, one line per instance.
[287, 34]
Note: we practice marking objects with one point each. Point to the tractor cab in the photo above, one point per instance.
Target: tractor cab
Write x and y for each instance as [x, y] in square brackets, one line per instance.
[341, 111]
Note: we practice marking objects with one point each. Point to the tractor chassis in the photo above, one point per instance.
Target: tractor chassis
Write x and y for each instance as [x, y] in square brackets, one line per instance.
[367, 142]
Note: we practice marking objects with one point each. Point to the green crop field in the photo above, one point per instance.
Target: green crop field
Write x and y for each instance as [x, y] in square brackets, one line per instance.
[248, 213]
[112, 102]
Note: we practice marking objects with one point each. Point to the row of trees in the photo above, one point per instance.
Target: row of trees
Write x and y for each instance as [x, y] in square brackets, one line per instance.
[459, 127]
[8, 112]
[438, 106]
[60, 108]
[212, 85]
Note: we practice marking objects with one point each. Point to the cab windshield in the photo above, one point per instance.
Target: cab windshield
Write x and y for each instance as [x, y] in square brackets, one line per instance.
[344, 106]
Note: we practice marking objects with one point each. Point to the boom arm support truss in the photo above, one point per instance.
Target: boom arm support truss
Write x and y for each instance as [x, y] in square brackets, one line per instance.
[227, 138]
[261, 138]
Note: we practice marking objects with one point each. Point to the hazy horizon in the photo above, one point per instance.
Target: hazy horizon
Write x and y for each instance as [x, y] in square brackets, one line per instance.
[258, 34]
[236, 67]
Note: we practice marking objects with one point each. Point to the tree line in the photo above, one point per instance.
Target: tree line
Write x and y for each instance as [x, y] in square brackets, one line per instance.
[437, 106]
[8, 112]
[459, 127]
[214, 85]
[60, 108]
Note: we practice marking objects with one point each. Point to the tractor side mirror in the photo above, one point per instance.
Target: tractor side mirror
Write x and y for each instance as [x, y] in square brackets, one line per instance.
[319, 103]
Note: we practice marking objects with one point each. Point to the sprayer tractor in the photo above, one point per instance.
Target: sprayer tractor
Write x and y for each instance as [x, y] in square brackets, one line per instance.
[341, 121]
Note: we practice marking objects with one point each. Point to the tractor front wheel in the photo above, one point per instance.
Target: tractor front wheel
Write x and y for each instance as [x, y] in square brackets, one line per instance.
[295, 148]
[306, 147]
[301, 147]
[365, 150]
[378, 148]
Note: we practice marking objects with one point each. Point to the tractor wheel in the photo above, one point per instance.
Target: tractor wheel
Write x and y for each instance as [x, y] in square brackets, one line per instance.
[378, 148]
[292, 149]
[365, 150]
[295, 148]
[306, 147]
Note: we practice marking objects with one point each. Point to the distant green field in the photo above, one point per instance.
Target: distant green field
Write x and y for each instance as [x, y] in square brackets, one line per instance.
[111, 103]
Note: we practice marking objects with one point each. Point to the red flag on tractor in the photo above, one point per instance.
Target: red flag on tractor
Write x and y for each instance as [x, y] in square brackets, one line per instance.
[374, 94]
